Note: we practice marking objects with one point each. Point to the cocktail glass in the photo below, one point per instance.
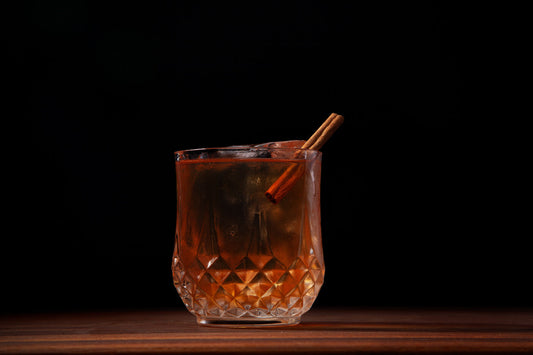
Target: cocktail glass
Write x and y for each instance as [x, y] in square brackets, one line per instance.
[240, 259]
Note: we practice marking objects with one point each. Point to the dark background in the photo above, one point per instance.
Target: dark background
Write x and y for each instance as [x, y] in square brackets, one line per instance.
[421, 187]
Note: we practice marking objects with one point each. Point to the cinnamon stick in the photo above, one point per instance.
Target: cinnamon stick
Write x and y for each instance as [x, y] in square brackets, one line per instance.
[287, 180]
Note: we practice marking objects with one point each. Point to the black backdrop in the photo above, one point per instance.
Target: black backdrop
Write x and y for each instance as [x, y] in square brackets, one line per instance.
[419, 196]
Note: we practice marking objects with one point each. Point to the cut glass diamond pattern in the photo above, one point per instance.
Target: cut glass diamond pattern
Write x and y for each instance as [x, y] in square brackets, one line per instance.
[211, 288]
[273, 270]
[246, 270]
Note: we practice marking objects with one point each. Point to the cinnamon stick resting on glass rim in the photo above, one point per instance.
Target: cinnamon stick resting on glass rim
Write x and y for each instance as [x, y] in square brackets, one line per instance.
[287, 180]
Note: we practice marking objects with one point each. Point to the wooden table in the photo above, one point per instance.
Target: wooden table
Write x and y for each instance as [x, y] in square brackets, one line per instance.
[384, 331]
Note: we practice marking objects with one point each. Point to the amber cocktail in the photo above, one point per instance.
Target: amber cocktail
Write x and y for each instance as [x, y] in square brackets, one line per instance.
[239, 258]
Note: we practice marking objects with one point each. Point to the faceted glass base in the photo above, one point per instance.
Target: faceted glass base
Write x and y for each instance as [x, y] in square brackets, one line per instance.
[247, 322]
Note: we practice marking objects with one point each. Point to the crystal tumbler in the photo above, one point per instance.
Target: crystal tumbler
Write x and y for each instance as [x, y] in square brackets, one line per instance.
[239, 258]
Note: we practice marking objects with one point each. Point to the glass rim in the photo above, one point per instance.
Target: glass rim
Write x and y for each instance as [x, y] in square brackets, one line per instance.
[283, 152]
[276, 145]
[244, 148]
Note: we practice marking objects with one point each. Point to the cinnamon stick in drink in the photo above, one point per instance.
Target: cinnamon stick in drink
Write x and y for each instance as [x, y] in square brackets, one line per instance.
[287, 180]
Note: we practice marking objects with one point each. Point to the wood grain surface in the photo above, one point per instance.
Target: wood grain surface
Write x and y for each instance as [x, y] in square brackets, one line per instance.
[364, 331]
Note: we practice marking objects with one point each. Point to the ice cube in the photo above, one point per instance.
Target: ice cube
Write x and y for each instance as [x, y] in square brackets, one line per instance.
[281, 144]
[282, 149]
[242, 152]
